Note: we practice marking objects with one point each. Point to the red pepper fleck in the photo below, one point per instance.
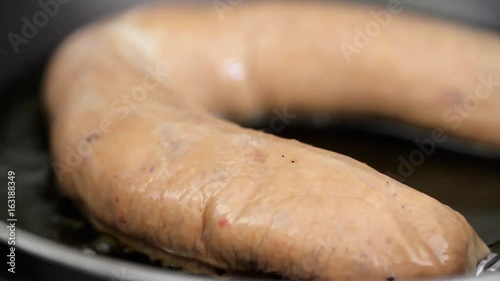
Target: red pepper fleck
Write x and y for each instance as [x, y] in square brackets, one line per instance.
[223, 223]
[388, 240]
[122, 219]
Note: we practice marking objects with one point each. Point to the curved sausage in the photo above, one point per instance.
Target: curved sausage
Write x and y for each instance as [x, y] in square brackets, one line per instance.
[136, 144]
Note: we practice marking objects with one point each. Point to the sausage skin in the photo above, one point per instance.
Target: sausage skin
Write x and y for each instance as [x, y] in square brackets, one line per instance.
[136, 145]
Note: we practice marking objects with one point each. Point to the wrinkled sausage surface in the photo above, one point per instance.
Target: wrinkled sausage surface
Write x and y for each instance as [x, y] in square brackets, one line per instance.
[135, 143]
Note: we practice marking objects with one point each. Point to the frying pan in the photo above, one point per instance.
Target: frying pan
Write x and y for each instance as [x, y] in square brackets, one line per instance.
[55, 242]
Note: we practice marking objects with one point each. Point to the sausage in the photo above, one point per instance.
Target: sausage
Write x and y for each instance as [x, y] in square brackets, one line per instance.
[136, 144]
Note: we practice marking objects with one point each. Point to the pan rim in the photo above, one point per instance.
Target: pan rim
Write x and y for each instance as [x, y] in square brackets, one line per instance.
[97, 265]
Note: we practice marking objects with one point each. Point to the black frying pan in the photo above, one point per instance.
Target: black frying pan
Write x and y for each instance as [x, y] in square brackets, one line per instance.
[55, 242]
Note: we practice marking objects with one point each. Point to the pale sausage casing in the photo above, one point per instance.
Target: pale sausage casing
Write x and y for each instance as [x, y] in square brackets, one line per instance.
[135, 144]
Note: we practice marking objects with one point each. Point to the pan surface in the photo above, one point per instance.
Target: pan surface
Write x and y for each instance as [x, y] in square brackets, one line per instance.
[55, 242]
